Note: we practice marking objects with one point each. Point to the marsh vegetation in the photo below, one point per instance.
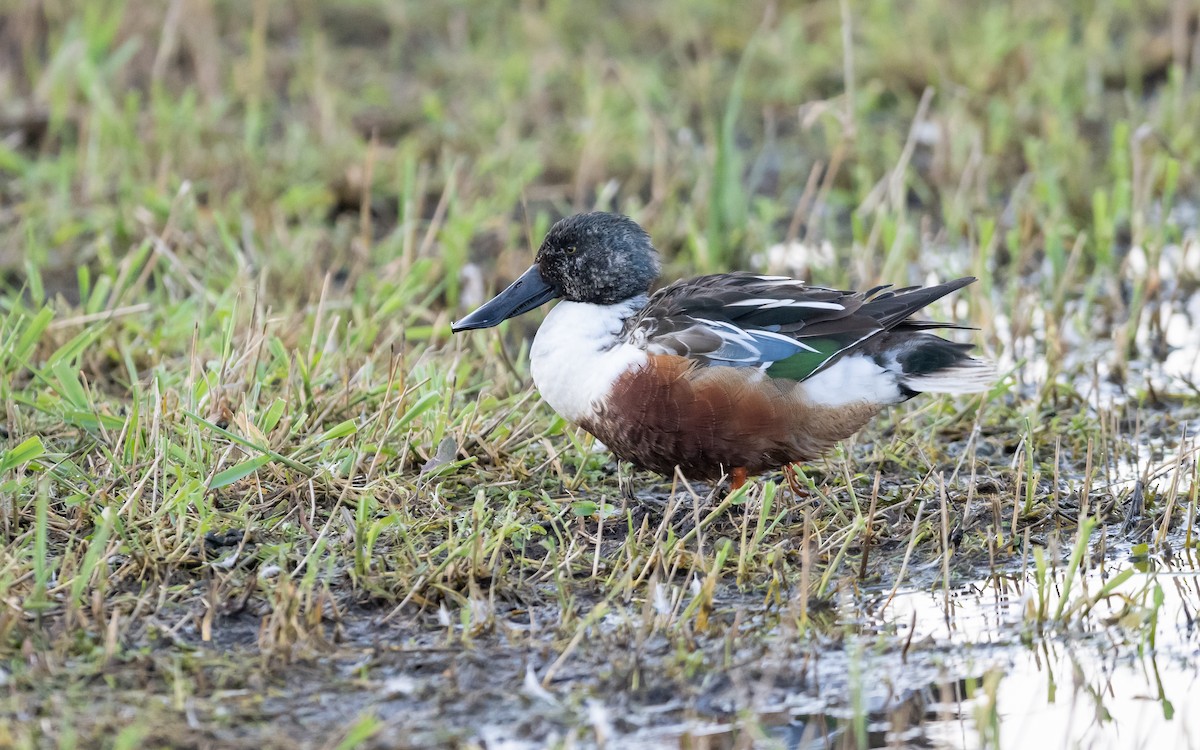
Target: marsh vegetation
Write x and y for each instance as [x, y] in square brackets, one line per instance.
[253, 494]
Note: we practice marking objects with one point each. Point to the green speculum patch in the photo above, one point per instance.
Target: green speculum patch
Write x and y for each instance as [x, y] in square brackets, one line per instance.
[800, 366]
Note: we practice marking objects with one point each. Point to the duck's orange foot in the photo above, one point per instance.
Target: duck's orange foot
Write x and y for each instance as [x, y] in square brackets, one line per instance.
[793, 480]
[737, 478]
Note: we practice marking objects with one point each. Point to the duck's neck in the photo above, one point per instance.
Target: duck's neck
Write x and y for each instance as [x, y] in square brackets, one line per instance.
[579, 352]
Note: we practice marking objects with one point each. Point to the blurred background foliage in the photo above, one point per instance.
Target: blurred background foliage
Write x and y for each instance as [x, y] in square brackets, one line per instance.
[346, 136]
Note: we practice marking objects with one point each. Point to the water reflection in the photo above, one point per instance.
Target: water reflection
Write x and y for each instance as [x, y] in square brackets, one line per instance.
[1124, 674]
[975, 667]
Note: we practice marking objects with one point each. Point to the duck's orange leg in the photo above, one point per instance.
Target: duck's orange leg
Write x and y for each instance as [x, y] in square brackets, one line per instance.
[789, 472]
[737, 478]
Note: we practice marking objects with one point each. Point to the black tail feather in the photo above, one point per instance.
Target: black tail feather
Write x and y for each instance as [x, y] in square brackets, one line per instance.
[923, 362]
[892, 307]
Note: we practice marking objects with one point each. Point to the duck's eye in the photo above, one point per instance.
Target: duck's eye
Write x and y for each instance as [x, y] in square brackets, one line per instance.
[571, 249]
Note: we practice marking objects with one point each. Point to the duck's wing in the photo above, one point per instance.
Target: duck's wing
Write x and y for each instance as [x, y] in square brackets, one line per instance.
[776, 323]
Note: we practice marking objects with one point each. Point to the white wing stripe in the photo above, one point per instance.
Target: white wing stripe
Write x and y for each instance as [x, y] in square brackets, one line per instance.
[770, 304]
[750, 339]
[727, 331]
[781, 338]
[781, 280]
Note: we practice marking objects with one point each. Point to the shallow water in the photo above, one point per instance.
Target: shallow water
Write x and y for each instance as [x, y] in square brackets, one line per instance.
[970, 667]
[1129, 680]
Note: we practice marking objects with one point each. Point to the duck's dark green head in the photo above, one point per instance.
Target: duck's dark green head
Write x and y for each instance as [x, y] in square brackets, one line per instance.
[597, 257]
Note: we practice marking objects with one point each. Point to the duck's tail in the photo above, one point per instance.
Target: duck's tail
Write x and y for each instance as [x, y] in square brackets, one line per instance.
[903, 359]
[924, 363]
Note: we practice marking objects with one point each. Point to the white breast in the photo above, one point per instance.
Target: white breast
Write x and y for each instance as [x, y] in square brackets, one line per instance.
[577, 355]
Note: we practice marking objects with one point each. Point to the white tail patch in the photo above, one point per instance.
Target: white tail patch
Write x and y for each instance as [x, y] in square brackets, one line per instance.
[969, 376]
[853, 379]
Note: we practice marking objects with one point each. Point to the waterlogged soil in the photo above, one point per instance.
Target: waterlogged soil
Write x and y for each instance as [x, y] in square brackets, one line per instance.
[975, 659]
[998, 644]
[1001, 644]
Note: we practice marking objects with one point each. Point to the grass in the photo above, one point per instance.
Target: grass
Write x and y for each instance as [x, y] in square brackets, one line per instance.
[245, 465]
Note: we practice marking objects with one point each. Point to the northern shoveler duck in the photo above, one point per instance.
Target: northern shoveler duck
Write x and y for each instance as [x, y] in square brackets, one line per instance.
[731, 374]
